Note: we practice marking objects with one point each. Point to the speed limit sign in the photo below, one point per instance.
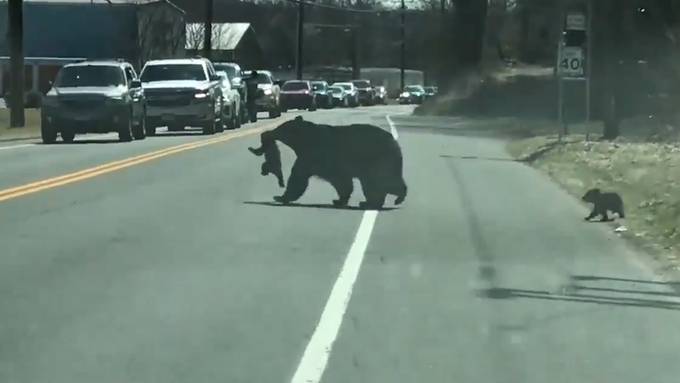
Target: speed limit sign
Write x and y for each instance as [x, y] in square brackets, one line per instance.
[571, 62]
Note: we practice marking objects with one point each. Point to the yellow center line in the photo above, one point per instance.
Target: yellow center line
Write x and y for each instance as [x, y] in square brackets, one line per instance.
[109, 167]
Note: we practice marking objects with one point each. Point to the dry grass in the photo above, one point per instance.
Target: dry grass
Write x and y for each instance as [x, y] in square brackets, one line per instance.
[31, 130]
[647, 175]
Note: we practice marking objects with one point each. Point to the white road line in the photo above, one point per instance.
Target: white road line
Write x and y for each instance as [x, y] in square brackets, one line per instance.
[15, 146]
[315, 358]
[393, 130]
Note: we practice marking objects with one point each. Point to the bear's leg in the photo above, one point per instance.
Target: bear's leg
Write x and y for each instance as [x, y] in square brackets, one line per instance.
[375, 195]
[344, 187]
[297, 183]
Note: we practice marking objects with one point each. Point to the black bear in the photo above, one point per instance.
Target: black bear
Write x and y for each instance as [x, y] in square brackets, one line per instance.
[602, 203]
[272, 162]
[337, 154]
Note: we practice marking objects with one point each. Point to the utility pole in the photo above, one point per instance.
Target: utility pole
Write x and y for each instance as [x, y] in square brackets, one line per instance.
[16, 52]
[300, 39]
[356, 72]
[207, 29]
[403, 42]
[442, 54]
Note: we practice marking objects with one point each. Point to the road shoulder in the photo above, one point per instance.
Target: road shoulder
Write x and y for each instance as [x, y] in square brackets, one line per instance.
[644, 173]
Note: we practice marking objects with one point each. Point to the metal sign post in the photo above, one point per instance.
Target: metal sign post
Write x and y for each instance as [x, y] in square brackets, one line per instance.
[589, 64]
[572, 62]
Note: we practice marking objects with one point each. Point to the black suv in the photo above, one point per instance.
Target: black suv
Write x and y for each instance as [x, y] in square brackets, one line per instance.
[365, 91]
[94, 97]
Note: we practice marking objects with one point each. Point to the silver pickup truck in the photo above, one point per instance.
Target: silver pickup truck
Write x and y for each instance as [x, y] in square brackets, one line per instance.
[180, 93]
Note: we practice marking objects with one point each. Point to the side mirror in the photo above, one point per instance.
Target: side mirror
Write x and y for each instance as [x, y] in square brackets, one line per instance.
[215, 78]
[135, 84]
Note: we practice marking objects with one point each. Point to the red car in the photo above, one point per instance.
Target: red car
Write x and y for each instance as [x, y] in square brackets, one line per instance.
[298, 94]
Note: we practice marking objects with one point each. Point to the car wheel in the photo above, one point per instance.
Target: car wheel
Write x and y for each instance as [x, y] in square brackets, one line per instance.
[244, 114]
[125, 129]
[149, 129]
[210, 127]
[228, 123]
[68, 135]
[139, 132]
[47, 131]
[222, 124]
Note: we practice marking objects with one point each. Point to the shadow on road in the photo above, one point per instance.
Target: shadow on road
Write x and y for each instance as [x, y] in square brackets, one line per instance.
[90, 141]
[579, 293]
[314, 206]
[179, 133]
[501, 159]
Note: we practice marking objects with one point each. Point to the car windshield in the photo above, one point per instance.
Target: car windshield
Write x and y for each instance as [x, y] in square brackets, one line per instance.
[90, 75]
[414, 88]
[173, 72]
[295, 85]
[345, 86]
[335, 89]
[362, 84]
[318, 86]
[229, 69]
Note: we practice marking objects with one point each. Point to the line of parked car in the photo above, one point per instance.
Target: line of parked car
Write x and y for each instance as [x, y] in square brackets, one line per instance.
[416, 94]
[310, 95]
[108, 96]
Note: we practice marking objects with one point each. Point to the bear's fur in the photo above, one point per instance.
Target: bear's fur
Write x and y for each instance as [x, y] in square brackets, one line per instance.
[602, 203]
[337, 154]
[272, 162]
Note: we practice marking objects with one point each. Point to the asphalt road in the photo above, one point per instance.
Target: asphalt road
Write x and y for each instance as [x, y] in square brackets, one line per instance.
[175, 267]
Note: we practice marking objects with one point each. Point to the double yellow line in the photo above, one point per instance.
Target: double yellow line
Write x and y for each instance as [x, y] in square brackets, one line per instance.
[110, 167]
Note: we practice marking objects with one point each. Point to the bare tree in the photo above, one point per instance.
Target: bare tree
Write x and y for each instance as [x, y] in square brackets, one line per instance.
[160, 33]
[194, 36]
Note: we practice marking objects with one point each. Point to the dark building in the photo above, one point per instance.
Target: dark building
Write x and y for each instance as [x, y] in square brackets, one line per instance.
[60, 31]
[232, 42]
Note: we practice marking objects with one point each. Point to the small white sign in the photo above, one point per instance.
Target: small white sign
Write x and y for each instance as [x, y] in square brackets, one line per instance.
[576, 22]
[571, 62]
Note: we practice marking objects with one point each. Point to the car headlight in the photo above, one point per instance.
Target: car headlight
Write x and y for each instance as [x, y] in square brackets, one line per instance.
[201, 95]
[267, 92]
[405, 94]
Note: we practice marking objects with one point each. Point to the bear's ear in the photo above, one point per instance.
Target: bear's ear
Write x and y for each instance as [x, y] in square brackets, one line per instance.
[298, 118]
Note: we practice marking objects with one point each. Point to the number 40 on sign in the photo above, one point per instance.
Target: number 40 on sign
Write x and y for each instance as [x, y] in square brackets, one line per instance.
[571, 62]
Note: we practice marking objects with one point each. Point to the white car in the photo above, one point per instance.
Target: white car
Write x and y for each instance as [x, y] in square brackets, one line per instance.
[180, 93]
[231, 103]
[351, 91]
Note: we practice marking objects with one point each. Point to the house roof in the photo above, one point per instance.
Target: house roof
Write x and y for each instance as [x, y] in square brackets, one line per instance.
[226, 36]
